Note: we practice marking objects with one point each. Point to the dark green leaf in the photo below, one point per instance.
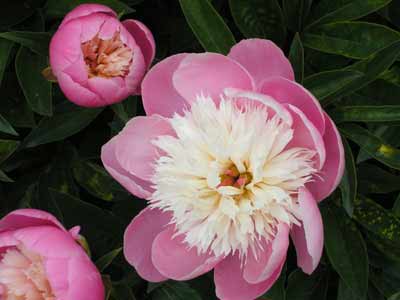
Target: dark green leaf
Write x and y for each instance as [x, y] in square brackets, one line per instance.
[383, 223]
[96, 181]
[348, 185]
[60, 126]
[396, 206]
[4, 177]
[5, 49]
[208, 26]
[37, 90]
[38, 42]
[307, 287]
[296, 57]
[386, 113]
[122, 291]
[351, 39]
[395, 296]
[59, 8]
[346, 250]
[374, 180]
[174, 290]
[345, 293]
[126, 109]
[259, 18]
[328, 11]
[372, 144]
[296, 12]
[7, 147]
[325, 84]
[103, 262]
[6, 127]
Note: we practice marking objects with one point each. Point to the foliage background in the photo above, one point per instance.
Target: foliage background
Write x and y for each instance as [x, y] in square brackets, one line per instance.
[346, 52]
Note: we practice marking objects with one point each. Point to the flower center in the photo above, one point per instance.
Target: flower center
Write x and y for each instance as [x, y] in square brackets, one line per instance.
[22, 276]
[228, 176]
[107, 58]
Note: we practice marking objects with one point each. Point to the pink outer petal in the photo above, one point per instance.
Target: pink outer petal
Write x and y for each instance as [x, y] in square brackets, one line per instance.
[143, 37]
[256, 270]
[309, 237]
[262, 59]
[209, 74]
[136, 186]
[286, 91]
[87, 9]
[110, 90]
[230, 284]
[159, 95]
[305, 135]
[174, 259]
[28, 217]
[7, 240]
[134, 149]
[332, 172]
[70, 272]
[138, 240]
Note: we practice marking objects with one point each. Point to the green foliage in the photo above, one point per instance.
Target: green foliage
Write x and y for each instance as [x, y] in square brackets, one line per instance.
[346, 52]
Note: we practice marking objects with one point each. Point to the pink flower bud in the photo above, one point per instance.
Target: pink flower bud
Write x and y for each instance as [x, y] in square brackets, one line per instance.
[98, 60]
[40, 260]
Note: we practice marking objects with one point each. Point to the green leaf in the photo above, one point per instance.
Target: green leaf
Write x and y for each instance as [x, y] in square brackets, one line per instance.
[6, 127]
[126, 109]
[208, 26]
[122, 291]
[372, 144]
[307, 287]
[60, 126]
[345, 293]
[351, 39]
[259, 18]
[374, 180]
[396, 206]
[96, 181]
[296, 12]
[329, 11]
[5, 50]
[37, 90]
[4, 177]
[296, 57]
[59, 8]
[373, 217]
[7, 147]
[370, 113]
[346, 250]
[174, 290]
[395, 296]
[348, 185]
[103, 262]
[325, 84]
[38, 42]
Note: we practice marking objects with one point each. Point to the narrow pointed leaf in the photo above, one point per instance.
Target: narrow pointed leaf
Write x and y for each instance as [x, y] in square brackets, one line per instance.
[387, 113]
[5, 49]
[103, 262]
[296, 57]
[348, 185]
[38, 42]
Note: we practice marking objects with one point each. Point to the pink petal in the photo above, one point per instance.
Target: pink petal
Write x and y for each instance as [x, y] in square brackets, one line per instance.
[262, 59]
[28, 217]
[158, 94]
[87, 9]
[138, 240]
[110, 90]
[7, 240]
[332, 171]
[209, 74]
[309, 237]
[305, 135]
[230, 284]
[134, 148]
[143, 37]
[174, 259]
[256, 270]
[136, 186]
[286, 91]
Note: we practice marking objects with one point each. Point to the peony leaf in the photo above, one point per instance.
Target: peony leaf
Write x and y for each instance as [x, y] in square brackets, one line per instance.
[296, 57]
[371, 113]
[173, 290]
[348, 185]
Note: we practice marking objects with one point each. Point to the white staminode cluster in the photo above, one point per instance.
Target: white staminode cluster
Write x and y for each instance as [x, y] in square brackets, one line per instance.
[22, 276]
[228, 177]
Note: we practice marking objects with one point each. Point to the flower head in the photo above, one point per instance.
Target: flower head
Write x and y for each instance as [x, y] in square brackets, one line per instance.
[233, 156]
[40, 260]
[98, 60]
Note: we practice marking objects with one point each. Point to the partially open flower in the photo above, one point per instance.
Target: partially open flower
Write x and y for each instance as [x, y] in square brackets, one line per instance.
[40, 260]
[98, 60]
[233, 157]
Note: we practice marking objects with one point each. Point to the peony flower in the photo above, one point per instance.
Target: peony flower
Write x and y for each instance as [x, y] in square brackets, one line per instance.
[98, 60]
[40, 260]
[233, 157]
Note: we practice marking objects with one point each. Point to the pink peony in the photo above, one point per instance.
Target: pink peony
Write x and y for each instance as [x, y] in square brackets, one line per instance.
[234, 157]
[98, 60]
[40, 260]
